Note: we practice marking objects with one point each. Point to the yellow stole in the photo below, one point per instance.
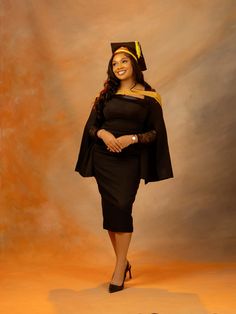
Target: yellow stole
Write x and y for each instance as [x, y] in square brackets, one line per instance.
[135, 92]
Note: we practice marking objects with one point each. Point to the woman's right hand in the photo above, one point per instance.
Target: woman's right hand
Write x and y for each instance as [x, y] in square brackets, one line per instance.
[109, 139]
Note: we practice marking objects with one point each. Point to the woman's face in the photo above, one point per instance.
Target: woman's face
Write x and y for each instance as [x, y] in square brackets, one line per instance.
[122, 66]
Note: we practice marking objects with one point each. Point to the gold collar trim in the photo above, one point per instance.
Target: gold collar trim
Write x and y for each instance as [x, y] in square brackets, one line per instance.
[135, 92]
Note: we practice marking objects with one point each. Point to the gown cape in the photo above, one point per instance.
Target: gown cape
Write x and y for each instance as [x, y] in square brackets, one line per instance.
[155, 161]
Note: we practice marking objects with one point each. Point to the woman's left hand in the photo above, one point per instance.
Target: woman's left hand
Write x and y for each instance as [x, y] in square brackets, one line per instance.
[125, 140]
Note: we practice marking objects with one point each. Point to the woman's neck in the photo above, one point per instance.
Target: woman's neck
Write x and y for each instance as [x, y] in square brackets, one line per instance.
[127, 84]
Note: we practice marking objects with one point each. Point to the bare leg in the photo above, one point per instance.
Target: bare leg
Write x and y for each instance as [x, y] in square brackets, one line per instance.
[122, 241]
[113, 240]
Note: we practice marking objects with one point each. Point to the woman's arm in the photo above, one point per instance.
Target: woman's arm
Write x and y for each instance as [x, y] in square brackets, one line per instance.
[97, 122]
[93, 131]
[147, 137]
[143, 138]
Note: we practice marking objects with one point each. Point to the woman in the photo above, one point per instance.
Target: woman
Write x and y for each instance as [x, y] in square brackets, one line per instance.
[124, 140]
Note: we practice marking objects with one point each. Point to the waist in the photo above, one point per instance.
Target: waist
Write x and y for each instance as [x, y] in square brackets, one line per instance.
[132, 149]
[120, 132]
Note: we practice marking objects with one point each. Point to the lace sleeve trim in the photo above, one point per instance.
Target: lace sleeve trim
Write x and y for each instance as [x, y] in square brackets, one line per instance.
[93, 132]
[147, 137]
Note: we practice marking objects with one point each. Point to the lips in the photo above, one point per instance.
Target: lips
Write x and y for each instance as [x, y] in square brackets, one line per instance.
[121, 72]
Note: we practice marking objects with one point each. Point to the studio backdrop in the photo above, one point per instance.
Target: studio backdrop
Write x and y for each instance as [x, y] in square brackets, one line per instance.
[54, 58]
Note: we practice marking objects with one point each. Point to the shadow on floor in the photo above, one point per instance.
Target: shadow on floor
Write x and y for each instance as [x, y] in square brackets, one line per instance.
[128, 301]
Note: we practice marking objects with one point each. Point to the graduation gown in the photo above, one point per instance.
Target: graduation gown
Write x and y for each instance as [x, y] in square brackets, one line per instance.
[155, 161]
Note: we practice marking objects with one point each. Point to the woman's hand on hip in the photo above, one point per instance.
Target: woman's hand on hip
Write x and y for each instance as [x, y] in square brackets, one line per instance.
[110, 140]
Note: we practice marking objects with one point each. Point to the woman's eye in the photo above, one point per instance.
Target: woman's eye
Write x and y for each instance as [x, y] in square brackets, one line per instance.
[122, 62]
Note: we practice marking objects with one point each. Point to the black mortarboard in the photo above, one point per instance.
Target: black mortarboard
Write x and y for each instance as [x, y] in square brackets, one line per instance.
[133, 48]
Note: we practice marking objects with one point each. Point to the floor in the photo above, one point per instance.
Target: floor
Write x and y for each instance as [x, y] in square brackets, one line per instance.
[64, 285]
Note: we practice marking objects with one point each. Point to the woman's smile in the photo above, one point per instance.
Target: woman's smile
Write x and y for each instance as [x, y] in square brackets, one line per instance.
[122, 66]
[121, 72]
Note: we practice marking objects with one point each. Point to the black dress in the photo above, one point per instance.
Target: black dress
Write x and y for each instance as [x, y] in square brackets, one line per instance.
[118, 174]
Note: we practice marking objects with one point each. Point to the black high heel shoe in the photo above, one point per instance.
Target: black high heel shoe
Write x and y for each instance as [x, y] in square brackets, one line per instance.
[128, 269]
[115, 288]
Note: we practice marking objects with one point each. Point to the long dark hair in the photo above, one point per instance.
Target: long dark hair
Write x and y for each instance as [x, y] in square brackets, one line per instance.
[112, 84]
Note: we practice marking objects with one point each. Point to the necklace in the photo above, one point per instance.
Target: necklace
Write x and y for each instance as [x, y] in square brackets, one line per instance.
[133, 85]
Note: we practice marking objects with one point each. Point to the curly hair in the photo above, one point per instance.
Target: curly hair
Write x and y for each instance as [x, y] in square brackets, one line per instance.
[112, 84]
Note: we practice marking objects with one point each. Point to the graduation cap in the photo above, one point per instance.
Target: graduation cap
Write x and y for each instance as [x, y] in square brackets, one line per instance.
[133, 48]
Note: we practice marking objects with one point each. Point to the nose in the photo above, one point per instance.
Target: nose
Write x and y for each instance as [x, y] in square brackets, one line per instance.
[118, 65]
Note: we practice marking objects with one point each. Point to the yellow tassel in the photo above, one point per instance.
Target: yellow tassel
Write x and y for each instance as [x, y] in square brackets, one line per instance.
[137, 48]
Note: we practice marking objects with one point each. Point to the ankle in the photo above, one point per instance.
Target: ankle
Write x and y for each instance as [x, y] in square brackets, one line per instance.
[122, 260]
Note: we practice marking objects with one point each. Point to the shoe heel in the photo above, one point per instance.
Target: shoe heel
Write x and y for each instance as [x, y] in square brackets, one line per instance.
[130, 275]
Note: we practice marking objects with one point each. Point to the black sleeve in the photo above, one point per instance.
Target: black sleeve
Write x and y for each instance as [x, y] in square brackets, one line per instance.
[159, 148]
[147, 137]
[84, 164]
[93, 131]
[96, 125]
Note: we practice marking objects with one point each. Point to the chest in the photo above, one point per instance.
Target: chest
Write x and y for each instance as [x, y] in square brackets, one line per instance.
[126, 108]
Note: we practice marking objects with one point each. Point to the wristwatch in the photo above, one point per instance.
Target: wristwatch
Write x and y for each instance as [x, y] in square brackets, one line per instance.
[134, 138]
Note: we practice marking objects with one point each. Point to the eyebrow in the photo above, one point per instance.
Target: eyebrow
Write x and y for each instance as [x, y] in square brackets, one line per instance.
[121, 59]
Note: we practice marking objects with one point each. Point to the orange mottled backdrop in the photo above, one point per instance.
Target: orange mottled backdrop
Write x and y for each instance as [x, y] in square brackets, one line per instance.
[54, 57]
